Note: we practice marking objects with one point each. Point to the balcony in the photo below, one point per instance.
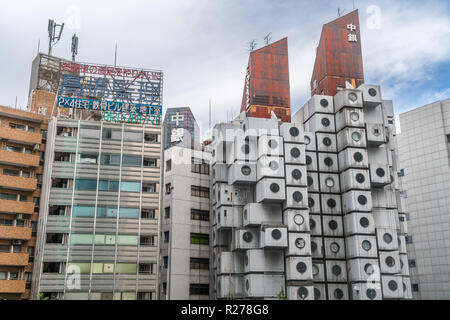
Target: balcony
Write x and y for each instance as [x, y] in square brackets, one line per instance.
[20, 136]
[18, 183]
[12, 286]
[19, 159]
[18, 233]
[12, 206]
[13, 259]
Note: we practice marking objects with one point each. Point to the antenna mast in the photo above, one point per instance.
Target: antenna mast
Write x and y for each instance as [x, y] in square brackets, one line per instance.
[74, 46]
[267, 38]
[52, 37]
[252, 45]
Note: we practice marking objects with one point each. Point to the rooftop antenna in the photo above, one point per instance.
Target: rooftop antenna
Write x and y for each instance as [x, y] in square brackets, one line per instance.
[340, 12]
[115, 55]
[267, 38]
[209, 113]
[39, 45]
[52, 37]
[252, 45]
[74, 46]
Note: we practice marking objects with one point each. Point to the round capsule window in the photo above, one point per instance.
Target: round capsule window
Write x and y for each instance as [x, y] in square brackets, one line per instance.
[390, 262]
[312, 223]
[313, 246]
[372, 92]
[307, 140]
[338, 294]
[331, 203]
[369, 268]
[293, 131]
[334, 247]
[329, 182]
[274, 165]
[274, 187]
[392, 285]
[352, 97]
[311, 202]
[297, 196]
[298, 219]
[371, 294]
[328, 161]
[360, 178]
[364, 222]
[325, 122]
[308, 160]
[302, 292]
[315, 270]
[336, 270]
[387, 238]
[366, 245]
[300, 243]
[310, 181]
[295, 152]
[324, 103]
[362, 200]
[356, 136]
[380, 172]
[247, 237]
[326, 141]
[296, 174]
[246, 170]
[333, 225]
[245, 148]
[276, 234]
[273, 143]
[354, 116]
[301, 267]
[358, 157]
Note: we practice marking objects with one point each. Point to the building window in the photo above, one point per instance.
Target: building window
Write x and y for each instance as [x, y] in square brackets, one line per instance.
[144, 296]
[166, 261]
[150, 162]
[199, 238]
[2, 275]
[17, 249]
[5, 248]
[6, 222]
[168, 165]
[199, 263]
[11, 172]
[147, 241]
[20, 223]
[401, 173]
[8, 196]
[151, 137]
[199, 289]
[62, 156]
[57, 211]
[415, 287]
[149, 187]
[23, 198]
[201, 215]
[404, 194]
[88, 159]
[199, 166]
[145, 268]
[448, 138]
[201, 192]
[412, 263]
[14, 149]
[148, 214]
[409, 239]
[167, 212]
[407, 216]
[164, 287]
[166, 237]
[13, 276]
[131, 161]
[168, 188]
[110, 159]
[16, 126]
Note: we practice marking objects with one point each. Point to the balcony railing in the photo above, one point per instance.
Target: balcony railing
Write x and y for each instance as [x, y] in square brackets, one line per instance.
[13, 206]
[18, 183]
[12, 286]
[18, 233]
[13, 259]
[19, 159]
[20, 136]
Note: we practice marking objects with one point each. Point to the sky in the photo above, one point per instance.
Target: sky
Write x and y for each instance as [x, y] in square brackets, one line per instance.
[202, 46]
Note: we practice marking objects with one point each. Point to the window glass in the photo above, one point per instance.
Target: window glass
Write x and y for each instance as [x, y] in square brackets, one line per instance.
[149, 187]
[97, 267]
[81, 239]
[11, 172]
[127, 240]
[89, 133]
[83, 211]
[99, 239]
[85, 184]
[8, 196]
[83, 267]
[126, 268]
[132, 161]
[13, 149]
[104, 212]
[198, 238]
[110, 159]
[130, 186]
[88, 158]
[129, 213]
[26, 174]
[2, 275]
[132, 136]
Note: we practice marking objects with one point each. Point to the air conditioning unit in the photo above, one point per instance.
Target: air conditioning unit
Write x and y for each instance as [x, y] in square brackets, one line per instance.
[294, 153]
[353, 158]
[331, 204]
[358, 179]
[389, 262]
[375, 134]
[255, 214]
[318, 272]
[230, 286]
[336, 271]
[328, 162]
[402, 244]
[229, 217]
[351, 137]
[270, 146]
[220, 238]
[311, 161]
[360, 246]
[332, 226]
[242, 172]
[329, 182]
[371, 95]
[270, 190]
[297, 220]
[303, 292]
[337, 291]
[321, 122]
[296, 198]
[365, 291]
[296, 175]
[263, 285]
[232, 195]
[312, 180]
[273, 237]
[380, 175]
[334, 248]
[314, 203]
[349, 117]
[245, 149]
[392, 287]
[261, 260]
[270, 167]
[319, 291]
[326, 142]
[316, 247]
[230, 262]
[407, 292]
[318, 104]
[384, 198]
[387, 239]
[219, 173]
[310, 141]
[356, 200]
[298, 269]
[36, 146]
[292, 132]
[299, 244]
[364, 270]
[246, 238]
[359, 223]
[404, 266]
[315, 224]
[16, 242]
[347, 98]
